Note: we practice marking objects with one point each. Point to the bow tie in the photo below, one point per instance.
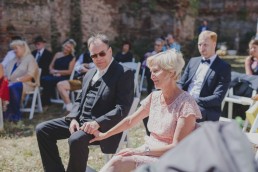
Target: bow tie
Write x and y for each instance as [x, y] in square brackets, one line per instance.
[206, 61]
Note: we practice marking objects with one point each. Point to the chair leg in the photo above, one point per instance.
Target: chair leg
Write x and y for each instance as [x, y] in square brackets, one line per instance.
[33, 104]
[230, 110]
[245, 125]
[39, 104]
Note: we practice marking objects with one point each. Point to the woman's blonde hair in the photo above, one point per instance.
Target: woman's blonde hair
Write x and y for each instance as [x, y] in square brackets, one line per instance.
[169, 60]
[21, 43]
[73, 43]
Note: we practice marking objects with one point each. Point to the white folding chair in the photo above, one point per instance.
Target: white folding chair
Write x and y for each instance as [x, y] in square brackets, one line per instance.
[231, 99]
[36, 105]
[136, 67]
[142, 88]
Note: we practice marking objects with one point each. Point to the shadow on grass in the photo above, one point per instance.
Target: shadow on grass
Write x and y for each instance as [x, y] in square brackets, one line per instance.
[26, 127]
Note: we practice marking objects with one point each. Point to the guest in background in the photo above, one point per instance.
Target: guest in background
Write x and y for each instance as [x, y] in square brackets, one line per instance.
[172, 114]
[203, 27]
[82, 66]
[42, 55]
[251, 62]
[207, 77]
[157, 49]
[171, 43]
[60, 69]
[22, 73]
[10, 55]
[125, 55]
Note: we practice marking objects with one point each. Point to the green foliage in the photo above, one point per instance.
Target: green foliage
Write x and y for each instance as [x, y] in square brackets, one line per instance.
[242, 14]
[54, 35]
[75, 25]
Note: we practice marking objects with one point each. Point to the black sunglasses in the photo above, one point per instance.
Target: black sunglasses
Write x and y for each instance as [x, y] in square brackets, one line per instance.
[100, 54]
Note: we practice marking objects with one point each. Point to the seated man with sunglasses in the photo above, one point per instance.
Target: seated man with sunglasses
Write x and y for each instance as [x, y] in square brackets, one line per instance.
[105, 100]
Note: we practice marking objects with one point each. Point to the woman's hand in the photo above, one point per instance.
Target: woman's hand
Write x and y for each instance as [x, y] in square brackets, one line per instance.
[255, 97]
[98, 136]
[131, 151]
[248, 60]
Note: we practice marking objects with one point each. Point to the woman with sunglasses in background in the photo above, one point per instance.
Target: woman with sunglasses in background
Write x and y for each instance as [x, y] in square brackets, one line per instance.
[60, 69]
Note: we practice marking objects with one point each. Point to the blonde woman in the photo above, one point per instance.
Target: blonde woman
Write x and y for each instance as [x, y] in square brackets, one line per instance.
[172, 114]
[60, 69]
[251, 62]
[22, 73]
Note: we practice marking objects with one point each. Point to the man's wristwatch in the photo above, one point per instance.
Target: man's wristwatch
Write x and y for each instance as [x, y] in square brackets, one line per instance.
[146, 151]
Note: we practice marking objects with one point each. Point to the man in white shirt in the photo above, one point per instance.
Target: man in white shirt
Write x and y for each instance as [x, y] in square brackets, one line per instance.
[207, 77]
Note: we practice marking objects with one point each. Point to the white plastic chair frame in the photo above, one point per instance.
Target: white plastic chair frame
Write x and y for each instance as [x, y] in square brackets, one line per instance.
[136, 67]
[36, 105]
[231, 98]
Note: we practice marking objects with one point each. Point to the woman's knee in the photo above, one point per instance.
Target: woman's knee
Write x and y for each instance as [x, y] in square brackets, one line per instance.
[63, 85]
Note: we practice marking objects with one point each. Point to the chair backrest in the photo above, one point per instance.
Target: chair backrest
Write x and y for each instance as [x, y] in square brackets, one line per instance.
[251, 113]
[136, 67]
[252, 117]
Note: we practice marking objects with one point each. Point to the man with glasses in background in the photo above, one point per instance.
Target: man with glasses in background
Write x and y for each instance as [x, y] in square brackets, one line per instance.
[105, 100]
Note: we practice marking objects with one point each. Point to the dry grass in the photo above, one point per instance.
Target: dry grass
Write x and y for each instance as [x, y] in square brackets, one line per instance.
[19, 147]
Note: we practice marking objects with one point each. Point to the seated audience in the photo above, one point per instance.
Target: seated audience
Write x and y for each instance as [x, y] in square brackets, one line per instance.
[171, 43]
[82, 65]
[125, 55]
[22, 73]
[60, 69]
[172, 114]
[105, 100]
[42, 55]
[251, 62]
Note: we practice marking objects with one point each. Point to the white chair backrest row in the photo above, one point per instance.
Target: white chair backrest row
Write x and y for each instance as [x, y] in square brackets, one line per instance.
[136, 67]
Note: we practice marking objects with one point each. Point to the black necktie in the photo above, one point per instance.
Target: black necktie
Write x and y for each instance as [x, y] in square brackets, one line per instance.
[206, 61]
[38, 56]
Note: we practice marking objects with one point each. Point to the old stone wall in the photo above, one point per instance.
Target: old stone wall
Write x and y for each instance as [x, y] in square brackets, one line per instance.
[233, 20]
[26, 18]
[140, 21]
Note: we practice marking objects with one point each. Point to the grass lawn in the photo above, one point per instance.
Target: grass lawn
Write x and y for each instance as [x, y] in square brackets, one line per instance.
[19, 149]
[18, 145]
